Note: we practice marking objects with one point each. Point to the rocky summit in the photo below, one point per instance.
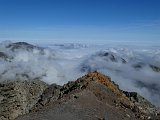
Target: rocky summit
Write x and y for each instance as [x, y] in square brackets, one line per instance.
[91, 97]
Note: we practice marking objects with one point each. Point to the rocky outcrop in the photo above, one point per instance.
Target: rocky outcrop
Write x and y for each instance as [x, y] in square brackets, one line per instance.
[109, 56]
[55, 92]
[5, 57]
[22, 45]
[155, 68]
[93, 96]
[142, 106]
[106, 57]
[140, 65]
[18, 97]
[93, 63]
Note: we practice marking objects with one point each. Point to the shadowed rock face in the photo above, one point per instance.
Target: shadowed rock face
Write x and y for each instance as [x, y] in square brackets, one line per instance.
[111, 57]
[18, 97]
[5, 57]
[94, 63]
[106, 57]
[140, 65]
[91, 97]
[23, 46]
[155, 68]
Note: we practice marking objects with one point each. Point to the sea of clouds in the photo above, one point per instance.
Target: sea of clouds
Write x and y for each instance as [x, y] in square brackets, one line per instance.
[133, 68]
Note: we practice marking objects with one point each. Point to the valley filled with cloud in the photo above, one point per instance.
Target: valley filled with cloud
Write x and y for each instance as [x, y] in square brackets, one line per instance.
[133, 68]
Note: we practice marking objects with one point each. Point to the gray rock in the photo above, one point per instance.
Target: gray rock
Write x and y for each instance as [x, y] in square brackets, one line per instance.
[4, 56]
[25, 46]
[18, 97]
[93, 96]
[142, 105]
[155, 68]
[50, 94]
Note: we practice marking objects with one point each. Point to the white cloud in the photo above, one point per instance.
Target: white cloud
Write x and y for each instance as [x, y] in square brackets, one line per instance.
[56, 64]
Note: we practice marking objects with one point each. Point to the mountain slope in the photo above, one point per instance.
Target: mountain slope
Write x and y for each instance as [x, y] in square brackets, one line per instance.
[93, 96]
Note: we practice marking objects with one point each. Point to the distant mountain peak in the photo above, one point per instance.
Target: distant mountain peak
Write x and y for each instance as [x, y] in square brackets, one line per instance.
[22, 45]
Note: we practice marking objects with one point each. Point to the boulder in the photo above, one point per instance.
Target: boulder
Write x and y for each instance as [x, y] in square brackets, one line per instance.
[18, 97]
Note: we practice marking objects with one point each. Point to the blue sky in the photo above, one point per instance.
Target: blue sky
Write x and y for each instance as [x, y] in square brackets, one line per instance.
[80, 20]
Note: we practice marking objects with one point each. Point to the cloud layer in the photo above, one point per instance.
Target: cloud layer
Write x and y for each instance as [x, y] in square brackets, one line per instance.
[132, 68]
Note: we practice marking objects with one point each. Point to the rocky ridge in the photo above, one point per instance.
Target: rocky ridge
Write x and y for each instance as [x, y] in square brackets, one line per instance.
[22, 45]
[91, 97]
